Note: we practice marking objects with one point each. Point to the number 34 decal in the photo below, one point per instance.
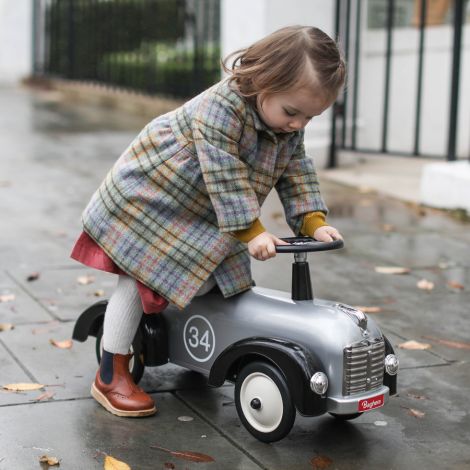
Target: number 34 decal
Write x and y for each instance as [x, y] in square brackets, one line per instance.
[199, 338]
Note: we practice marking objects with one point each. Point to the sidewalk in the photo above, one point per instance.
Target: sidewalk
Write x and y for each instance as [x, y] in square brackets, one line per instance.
[53, 157]
[398, 177]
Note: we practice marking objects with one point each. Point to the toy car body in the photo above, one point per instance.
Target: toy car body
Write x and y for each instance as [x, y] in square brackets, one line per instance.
[313, 356]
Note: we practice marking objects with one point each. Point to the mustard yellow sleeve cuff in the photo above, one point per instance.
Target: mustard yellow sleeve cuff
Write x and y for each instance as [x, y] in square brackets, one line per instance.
[248, 234]
[312, 221]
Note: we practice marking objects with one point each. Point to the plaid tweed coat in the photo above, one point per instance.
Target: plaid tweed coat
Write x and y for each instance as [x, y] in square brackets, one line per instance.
[165, 211]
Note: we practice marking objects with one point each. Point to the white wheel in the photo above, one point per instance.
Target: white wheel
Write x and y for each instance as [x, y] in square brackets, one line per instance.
[264, 402]
[261, 402]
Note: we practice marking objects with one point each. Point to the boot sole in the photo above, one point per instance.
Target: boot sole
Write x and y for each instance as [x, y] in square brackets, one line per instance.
[103, 401]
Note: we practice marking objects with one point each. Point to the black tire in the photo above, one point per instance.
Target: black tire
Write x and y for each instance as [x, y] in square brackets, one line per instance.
[279, 413]
[346, 417]
[136, 365]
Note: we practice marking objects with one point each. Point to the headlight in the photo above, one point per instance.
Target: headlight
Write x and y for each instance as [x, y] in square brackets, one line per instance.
[319, 383]
[391, 364]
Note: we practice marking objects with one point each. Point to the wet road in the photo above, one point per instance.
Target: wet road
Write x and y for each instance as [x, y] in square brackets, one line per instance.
[53, 156]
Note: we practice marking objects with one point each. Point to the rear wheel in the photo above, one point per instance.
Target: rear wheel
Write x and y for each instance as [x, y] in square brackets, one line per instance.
[136, 364]
[264, 403]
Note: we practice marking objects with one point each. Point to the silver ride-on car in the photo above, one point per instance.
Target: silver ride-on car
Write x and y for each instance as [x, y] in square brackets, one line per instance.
[284, 352]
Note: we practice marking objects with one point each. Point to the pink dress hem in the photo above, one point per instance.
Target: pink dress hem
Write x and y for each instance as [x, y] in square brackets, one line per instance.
[89, 253]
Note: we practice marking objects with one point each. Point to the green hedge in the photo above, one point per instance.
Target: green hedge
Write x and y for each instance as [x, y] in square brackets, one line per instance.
[163, 68]
[140, 44]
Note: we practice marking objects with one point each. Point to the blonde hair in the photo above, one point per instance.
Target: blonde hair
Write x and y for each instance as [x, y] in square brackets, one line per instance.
[279, 61]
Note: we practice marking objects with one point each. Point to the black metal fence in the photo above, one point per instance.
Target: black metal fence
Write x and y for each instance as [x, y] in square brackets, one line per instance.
[168, 47]
[350, 23]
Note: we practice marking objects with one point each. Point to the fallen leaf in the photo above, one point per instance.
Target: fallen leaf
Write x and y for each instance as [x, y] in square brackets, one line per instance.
[5, 184]
[388, 227]
[320, 462]
[450, 344]
[65, 344]
[51, 461]
[110, 463]
[455, 285]
[169, 465]
[85, 280]
[424, 284]
[186, 455]
[6, 326]
[365, 189]
[414, 345]
[33, 277]
[415, 413]
[22, 387]
[7, 298]
[277, 215]
[368, 309]
[392, 270]
[98, 293]
[45, 396]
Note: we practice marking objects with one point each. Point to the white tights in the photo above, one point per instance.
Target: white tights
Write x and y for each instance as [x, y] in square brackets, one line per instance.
[124, 312]
[122, 317]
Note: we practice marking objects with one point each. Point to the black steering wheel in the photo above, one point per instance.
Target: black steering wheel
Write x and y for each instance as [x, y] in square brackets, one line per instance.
[307, 244]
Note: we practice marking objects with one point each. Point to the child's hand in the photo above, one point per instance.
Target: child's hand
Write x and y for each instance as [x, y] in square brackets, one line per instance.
[263, 246]
[327, 234]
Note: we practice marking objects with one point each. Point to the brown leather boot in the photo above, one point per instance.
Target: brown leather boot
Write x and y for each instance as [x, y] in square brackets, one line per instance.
[122, 397]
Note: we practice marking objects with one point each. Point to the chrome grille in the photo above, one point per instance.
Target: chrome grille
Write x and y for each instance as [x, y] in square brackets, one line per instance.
[363, 366]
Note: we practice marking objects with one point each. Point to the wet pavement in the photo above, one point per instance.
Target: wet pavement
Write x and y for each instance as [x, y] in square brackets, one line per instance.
[53, 157]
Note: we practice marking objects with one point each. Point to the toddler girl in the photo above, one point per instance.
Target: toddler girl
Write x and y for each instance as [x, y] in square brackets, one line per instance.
[178, 214]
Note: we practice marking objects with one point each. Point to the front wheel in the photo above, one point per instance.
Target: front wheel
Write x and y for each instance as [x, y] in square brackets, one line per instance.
[347, 417]
[136, 364]
[264, 403]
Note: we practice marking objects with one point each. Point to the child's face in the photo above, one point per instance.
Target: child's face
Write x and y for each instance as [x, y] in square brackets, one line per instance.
[291, 111]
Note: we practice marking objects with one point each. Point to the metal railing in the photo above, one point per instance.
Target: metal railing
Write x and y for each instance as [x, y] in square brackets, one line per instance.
[168, 47]
[349, 24]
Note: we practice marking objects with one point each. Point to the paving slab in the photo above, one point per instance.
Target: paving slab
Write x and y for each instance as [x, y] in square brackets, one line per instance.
[411, 250]
[80, 432]
[430, 319]
[362, 210]
[58, 155]
[70, 372]
[411, 359]
[387, 438]
[444, 431]
[351, 445]
[12, 371]
[61, 293]
[21, 308]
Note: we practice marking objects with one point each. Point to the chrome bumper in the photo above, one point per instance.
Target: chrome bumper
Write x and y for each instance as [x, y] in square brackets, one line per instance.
[350, 404]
